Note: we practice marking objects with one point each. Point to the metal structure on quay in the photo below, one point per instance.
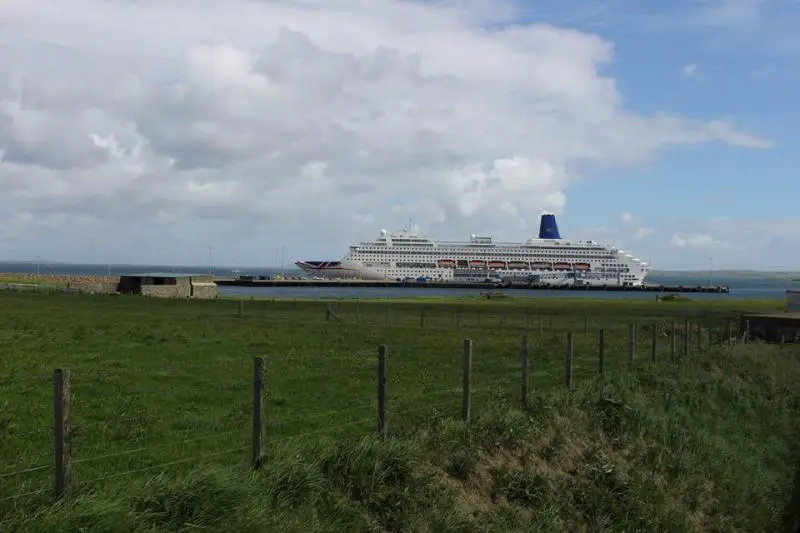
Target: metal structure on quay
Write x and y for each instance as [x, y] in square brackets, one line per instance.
[329, 283]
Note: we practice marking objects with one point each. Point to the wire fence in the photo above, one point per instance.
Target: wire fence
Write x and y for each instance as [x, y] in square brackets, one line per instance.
[99, 432]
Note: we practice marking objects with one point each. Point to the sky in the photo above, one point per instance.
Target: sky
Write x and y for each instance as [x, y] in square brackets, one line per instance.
[157, 131]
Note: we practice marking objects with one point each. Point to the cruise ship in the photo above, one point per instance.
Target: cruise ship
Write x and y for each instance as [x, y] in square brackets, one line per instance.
[549, 259]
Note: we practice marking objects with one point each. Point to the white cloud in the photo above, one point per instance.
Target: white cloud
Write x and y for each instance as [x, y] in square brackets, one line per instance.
[726, 13]
[695, 240]
[641, 233]
[626, 218]
[690, 69]
[146, 130]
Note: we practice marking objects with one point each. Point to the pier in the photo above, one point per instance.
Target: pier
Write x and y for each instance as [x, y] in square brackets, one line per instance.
[345, 283]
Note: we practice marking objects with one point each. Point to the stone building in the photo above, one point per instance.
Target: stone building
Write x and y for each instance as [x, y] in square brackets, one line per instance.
[169, 285]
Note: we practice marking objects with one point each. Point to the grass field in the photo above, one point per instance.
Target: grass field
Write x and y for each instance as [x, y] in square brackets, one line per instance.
[161, 401]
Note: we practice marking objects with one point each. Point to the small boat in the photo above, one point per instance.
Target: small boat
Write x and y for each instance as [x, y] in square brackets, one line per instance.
[581, 266]
[446, 263]
[518, 265]
[541, 266]
[477, 263]
[497, 264]
[561, 266]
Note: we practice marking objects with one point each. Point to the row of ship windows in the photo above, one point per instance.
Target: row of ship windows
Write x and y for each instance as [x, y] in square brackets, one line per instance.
[605, 262]
[415, 247]
[519, 251]
[367, 257]
[614, 269]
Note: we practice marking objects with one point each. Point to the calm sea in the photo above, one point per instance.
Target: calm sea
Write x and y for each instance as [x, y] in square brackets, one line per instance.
[742, 287]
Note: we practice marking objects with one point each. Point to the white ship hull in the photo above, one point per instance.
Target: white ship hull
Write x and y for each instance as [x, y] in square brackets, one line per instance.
[547, 260]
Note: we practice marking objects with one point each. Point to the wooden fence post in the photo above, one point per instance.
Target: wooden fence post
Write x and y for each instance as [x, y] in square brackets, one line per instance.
[258, 412]
[654, 341]
[383, 428]
[601, 350]
[525, 371]
[687, 333]
[631, 342]
[568, 362]
[699, 335]
[466, 370]
[241, 307]
[673, 340]
[63, 435]
[731, 337]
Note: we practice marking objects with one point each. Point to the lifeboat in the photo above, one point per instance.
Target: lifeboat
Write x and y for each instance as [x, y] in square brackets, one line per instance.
[562, 266]
[463, 263]
[581, 266]
[477, 263]
[541, 266]
[518, 265]
[497, 264]
[446, 263]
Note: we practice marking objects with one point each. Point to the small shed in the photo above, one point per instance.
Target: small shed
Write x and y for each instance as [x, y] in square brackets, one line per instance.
[169, 285]
[793, 301]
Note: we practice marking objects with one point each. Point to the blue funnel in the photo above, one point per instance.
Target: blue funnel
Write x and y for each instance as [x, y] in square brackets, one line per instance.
[548, 228]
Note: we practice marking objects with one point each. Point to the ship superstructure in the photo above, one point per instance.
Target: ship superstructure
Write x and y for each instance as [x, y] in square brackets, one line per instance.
[548, 259]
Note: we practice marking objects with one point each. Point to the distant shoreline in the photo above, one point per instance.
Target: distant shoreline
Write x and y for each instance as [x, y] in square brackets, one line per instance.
[734, 273]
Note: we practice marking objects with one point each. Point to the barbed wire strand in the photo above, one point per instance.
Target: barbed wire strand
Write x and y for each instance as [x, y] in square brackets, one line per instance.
[157, 446]
[22, 495]
[25, 471]
[170, 463]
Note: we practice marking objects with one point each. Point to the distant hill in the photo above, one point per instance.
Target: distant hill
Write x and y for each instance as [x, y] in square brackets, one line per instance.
[737, 273]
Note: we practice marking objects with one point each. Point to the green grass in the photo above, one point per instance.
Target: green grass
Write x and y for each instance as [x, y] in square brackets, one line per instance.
[43, 282]
[706, 444]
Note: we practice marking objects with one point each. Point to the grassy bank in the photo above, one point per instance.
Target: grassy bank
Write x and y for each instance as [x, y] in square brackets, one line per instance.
[161, 406]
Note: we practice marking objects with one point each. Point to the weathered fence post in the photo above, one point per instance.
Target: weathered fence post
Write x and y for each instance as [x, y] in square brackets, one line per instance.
[466, 371]
[63, 435]
[654, 341]
[383, 428]
[568, 362]
[258, 411]
[687, 333]
[631, 342]
[699, 335]
[731, 336]
[525, 370]
[673, 340]
[601, 350]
